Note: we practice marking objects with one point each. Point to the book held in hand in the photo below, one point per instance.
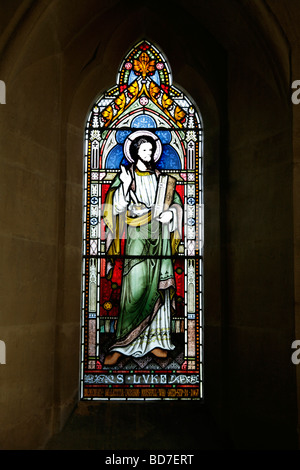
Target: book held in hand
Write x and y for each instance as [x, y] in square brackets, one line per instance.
[164, 194]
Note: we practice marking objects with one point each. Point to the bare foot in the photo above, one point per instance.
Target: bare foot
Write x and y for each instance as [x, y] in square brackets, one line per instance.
[112, 359]
[159, 352]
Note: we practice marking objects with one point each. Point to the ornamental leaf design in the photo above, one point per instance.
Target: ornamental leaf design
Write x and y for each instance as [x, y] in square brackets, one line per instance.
[154, 90]
[179, 114]
[133, 90]
[120, 102]
[144, 66]
[166, 101]
[107, 114]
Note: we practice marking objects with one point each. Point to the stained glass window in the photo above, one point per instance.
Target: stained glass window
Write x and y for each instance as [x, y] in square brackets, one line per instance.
[142, 265]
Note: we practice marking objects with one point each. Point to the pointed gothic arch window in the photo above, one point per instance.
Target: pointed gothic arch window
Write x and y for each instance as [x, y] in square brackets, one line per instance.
[142, 289]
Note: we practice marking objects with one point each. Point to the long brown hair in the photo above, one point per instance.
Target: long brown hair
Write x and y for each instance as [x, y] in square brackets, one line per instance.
[134, 148]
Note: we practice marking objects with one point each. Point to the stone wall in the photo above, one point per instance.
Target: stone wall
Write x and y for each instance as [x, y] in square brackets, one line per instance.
[56, 58]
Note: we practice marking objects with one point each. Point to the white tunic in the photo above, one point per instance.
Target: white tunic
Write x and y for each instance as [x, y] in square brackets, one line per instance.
[145, 193]
[158, 333]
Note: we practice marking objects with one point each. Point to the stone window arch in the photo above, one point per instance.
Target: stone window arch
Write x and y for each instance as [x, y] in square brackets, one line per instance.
[133, 300]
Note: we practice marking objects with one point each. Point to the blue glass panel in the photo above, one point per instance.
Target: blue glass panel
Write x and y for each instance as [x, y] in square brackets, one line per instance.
[114, 158]
[121, 136]
[169, 160]
[164, 136]
[143, 122]
[132, 77]
[125, 162]
[156, 78]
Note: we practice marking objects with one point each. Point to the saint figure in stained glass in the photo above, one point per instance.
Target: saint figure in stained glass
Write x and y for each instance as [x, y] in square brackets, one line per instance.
[142, 251]
[152, 236]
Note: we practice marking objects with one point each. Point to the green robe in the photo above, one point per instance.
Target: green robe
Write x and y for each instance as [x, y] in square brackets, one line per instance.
[147, 270]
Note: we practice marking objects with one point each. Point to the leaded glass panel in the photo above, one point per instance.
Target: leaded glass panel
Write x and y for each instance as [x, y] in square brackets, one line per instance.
[142, 265]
